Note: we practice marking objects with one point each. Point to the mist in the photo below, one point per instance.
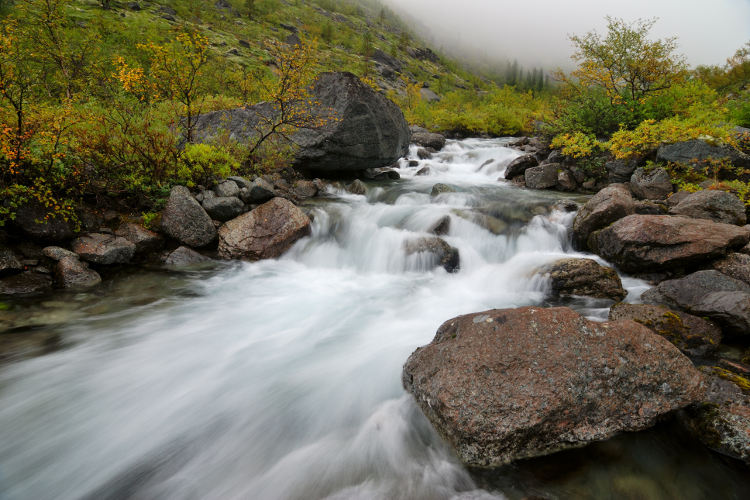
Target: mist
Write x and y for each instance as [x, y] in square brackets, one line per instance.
[536, 33]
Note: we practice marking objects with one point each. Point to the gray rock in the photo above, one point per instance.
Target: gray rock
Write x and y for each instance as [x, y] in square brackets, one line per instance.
[541, 177]
[304, 189]
[185, 257]
[241, 182]
[104, 249]
[26, 283]
[583, 277]
[145, 241]
[386, 60]
[735, 265]
[73, 274]
[731, 310]
[423, 154]
[227, 189]
[442, 226]
[715, 205]
[696, 152]
[509, 384]
[519, 165]
[423, 171]
[445, 255]
[428, 95]
[653, 185]
[648, 207]
[566, 181]
[185, 220]
[223, 208]
[58, 253]
[620, 171]
[32, 220]
[357, 187]
[605, 207]
[260, 191]
[9, 263]
[440, 188]
[428, 140]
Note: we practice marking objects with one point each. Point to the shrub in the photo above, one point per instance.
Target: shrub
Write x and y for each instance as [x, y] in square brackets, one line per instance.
[204, 164]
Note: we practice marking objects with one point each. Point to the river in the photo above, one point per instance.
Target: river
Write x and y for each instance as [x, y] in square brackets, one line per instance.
[281, 379]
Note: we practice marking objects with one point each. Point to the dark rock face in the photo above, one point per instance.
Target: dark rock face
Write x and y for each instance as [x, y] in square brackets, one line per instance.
[227, 188]
[9, 263]
[145, 241]
[736, 265]
[32, 221]
[428, 140]
[715, 205]
[442, 226]
[73, 274]
[541, 177]
[223, 208]
[692, 335]
[690, 152]
[183, 257]
[619, 171]
[653, 185]
[186, 221]
[27, 283]
[304, 189]
[104, 249]
[446, 256]
[519, 165]
[641, 243]
[263, 233]
[260, 191]
[566, 181]
[584, 277]
[605, 207]
[723, 299]
[508, 384]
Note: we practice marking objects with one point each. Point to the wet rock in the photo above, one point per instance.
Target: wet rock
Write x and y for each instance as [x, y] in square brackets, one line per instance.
[185, 220]
[541, 177]
[620, 171]
[145, 241]
[9, 263]
[423, 171]
[736, 265]
[304, 189]
[58, 253]
[440, 189]
[104, 249]
[692, 335]
[605, 207]
[423, 154]
[718, 206]
[447, 256]
[27, 283]
[442, 226]
[519, 165]
[263, 233]
[717, 296]
[413, 163]
[385, 175]
[184, 257]
[33, 220]
[260, 191]
[428, 140]
[223, 208]
[566, 181]
[642, 243]
[227, 189]
[357, 187]
[653, 185]
[507, 384]
[73, 274]
[583, 277]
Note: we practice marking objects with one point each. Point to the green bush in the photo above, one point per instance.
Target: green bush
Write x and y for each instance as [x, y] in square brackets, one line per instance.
[204, 164]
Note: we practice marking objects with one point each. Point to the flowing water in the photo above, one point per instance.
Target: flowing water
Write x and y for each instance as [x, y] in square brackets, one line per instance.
[281, 379]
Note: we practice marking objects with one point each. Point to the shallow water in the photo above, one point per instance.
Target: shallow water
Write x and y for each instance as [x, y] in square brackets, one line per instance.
[281, 379]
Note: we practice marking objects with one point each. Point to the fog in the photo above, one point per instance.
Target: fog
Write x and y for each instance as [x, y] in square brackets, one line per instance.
[536, 32]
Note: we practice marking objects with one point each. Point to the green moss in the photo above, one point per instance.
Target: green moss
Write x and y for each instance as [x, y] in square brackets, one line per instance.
[741, 382]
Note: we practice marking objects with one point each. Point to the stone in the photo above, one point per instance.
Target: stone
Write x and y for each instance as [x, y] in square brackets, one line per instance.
[620, 171]
[73, 274]
[428, 95]
[697, 152]
[441, 188]
[692, 335]
[541, 177]
[357, 187]
[736, 265]
[445, 255]
[263, 233]
[423, 171]
[184, 257]
[241, 182]
[32, 220]
[442, 226]
[260, 191]
[519, 165]
[566, 181]
[423, 154]
[58, 253]
[715, 205]
[510, 384]
[648, 207]
[145, 241]
[653, 185]
[227, 189]
[605, 207]
[185, 220]
[643, 243]
[304, 189]
[223, 208]
[583, 277]
[26, 283]
[104, 249]
[9, 263]
[362, 129]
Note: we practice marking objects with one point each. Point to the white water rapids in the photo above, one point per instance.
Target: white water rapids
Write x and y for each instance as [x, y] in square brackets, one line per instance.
[281, 379]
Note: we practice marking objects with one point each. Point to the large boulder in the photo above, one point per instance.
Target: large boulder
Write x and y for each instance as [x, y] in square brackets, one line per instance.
[184, 257]
[519, 165]
[33, 220]
[426, 139]
[73, 274]
[263, 233]
[185, 220]
[104, 249]
[717, 296]
[145, 240]
[509, 384]
[698, 152]
[692, 335]
[619, 171]
[643, 243]
[736, 265]
[583, 277]
[542, 176]
[652, 185]
[443, 254]
[719, 206]
[223, 208]
[361, 128]
[605, 207]
[259, 191]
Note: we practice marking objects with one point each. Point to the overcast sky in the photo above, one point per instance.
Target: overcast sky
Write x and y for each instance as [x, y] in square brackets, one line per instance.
[535, 31]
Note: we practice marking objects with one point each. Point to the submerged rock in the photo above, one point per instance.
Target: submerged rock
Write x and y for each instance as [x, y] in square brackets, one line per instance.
[73, 274]
[26, 283]
[446, 256]
[357, 187]
[507, 384]
[441, 188]
[584, 277]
